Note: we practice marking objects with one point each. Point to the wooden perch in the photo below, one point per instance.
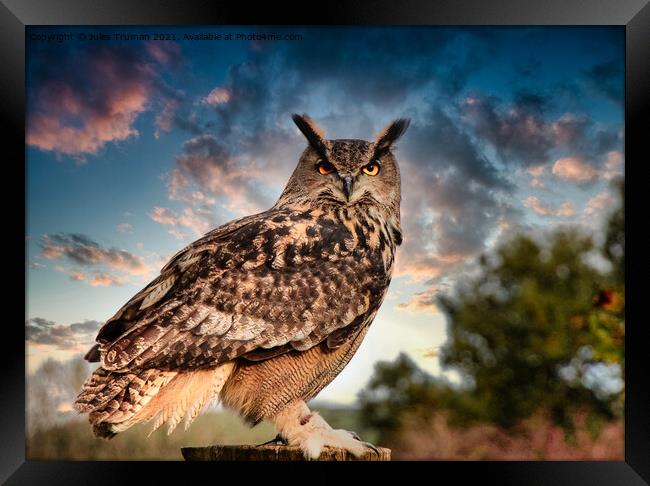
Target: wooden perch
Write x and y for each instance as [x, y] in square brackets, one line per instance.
[274, 453]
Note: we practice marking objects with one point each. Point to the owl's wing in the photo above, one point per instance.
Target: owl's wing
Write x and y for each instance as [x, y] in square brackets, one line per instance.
[131, 314]
[267, 284]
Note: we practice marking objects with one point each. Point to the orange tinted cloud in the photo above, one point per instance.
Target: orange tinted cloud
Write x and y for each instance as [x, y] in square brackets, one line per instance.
[599, 202]
[422, 302]
[85, 100]
[198, 221]
[574, 169]
[565, 210]
[218, 96]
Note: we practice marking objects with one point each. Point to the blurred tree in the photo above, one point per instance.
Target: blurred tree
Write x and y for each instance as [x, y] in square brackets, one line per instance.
[614, 247]
[519, 333]
[396, 390]
[540, 328]
[51, 389]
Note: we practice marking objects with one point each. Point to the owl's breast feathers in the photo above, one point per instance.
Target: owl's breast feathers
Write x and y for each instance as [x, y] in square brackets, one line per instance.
[257, 287]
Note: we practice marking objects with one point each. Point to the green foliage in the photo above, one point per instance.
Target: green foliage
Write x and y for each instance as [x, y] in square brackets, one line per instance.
[518, 323]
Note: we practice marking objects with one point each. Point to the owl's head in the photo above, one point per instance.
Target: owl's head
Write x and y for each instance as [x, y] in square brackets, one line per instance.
[345, 172]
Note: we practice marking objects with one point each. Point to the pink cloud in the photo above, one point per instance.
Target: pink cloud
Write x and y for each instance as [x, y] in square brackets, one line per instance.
[613, 165]
[521, 131]
[73, 127]
[236, 181]
[568, 129]
[565, 210]
[77, 276]
[86, 100]
[599, 202]
[164, 120]
[218, 96]
[199, 221]
[421, 302]
[98, 280]
[164, 52]
[574, 169]
[104, 280]
[537, 172]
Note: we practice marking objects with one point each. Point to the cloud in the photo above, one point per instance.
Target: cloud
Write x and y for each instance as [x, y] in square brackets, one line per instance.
[234, 178]
[578, 170]
[82, 99]
[218, 96]
[199, 222]
[76, 337]
[565, 210]
[457, 193]
[422, 302]
[249, 146]
[81, 250]
[94, 280]
[519, 131]
[537, 172]
[599, 202]
[607, 78]
[165, 53]
[179, 235]
[454, 200]
[104, 280]
[575, 169]
[125, 228]
[77, 276]
[613, 165]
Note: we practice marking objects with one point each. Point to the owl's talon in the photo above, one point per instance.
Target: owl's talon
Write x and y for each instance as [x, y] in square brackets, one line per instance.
[370, 446]
[277, 440]
[355, 435]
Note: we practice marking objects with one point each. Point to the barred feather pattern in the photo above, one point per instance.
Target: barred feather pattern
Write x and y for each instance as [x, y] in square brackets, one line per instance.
[117, 401]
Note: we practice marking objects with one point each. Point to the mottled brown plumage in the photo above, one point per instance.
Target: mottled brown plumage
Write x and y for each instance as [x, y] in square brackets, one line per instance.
[264, 311]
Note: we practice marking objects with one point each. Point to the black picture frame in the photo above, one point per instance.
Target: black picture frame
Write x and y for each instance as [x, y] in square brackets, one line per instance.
[634, 15]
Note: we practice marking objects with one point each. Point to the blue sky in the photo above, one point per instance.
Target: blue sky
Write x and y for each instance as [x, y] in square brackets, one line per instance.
[136, 148]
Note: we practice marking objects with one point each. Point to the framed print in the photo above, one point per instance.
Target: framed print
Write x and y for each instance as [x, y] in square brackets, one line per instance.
[382, 232]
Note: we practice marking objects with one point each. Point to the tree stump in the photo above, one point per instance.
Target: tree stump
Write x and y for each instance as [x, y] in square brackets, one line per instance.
[274, 453]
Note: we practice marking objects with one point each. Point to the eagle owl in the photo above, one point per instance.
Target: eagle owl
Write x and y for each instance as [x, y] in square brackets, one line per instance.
[262, 312]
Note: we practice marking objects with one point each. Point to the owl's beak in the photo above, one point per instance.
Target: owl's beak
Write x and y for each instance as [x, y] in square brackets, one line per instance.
[348, 186]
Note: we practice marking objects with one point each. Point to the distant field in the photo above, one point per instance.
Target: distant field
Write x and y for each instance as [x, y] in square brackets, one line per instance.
[74, 440]
[535, 439]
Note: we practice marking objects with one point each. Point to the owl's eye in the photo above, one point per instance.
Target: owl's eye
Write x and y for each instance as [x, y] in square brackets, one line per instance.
[371, 169]
[325, 167]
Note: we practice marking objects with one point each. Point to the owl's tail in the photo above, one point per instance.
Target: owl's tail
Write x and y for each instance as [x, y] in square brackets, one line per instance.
[116, 401]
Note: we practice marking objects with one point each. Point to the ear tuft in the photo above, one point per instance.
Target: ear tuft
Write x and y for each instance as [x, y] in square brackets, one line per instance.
[391, 132]
[314, 134]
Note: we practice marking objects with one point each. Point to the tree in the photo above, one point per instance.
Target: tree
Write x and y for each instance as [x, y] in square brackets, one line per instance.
[396, 390]
[541, 328]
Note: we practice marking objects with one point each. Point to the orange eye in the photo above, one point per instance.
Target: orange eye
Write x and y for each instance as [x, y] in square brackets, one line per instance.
[372, 169]
[325, 168]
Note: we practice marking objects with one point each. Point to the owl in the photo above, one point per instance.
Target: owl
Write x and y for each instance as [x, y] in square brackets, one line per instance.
[262, 312]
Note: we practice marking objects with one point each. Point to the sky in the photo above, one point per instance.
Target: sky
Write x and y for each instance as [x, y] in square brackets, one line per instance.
[136, 147]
